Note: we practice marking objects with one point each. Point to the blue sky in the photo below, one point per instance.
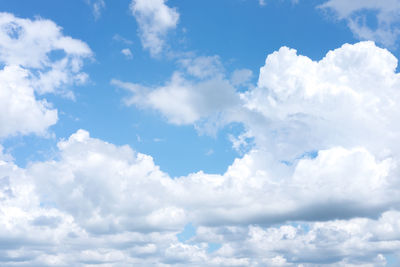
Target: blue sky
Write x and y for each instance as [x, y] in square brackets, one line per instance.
[199, 133]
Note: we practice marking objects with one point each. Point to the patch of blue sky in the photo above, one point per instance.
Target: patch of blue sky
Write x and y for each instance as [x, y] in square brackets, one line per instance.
[212, 247]
[392, 260]
[30, 148]
[306, 155]
[188, 232]
[305, 227]
[282, 23]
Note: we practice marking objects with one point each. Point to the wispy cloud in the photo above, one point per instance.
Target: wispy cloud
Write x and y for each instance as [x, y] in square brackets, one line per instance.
[357, 14]
[127, 53]
[154, 19]
[97, 7]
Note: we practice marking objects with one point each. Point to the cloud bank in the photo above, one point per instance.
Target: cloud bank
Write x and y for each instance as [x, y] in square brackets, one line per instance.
[320, 185]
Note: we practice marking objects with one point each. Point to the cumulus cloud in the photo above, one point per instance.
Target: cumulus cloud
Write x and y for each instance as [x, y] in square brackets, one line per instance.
[113, 205]
[386, 13]
[356, 242]
[28, 43]
[155, 19]
[30, 67]
[324, 150]
[20, 111]
[197, 92]
[349, 98]
[320, 186]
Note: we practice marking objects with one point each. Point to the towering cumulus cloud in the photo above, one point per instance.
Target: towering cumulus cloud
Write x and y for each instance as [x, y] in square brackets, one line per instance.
[29, 67]
[319, 186]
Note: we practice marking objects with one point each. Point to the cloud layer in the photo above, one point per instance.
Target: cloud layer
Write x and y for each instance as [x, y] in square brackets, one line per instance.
[99, 203]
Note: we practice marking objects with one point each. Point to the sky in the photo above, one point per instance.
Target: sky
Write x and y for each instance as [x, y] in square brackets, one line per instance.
[199, 133]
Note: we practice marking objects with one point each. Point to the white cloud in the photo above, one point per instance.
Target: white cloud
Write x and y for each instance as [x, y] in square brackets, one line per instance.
[154, 19]
[264, 2]
[28, 43]
[356, 242]
[111, 204]
[278, 205]
[101, 198]
[386, 13]
[291, 114]
[121, 39]
[348, 98]
[203, 67]
[20, 111]
[127, 53]
[241, 77]
[186, 100]
[26, 52]
[97, 7]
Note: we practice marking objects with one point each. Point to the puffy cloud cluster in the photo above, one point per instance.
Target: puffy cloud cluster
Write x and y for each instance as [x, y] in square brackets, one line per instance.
[102, 204]
[349, 98]
[324, 155]
[320, 185]
[355, 242]
[154, 20]
[385, 12]
[36, 58]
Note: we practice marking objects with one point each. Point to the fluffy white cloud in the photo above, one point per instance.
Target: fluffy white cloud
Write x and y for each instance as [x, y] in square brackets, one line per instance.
[318, 154]
[320, 186]
[324, 149]
[29, 43]
[386, 13]
[349, 98]
[356, 242]
[200, 91]
[112, 189]
[107, 188]
[154, 19]
[20, 111]
[30, 67]
[113, 205]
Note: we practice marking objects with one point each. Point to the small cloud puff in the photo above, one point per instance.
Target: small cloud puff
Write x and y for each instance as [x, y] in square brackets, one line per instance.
[127, 53]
